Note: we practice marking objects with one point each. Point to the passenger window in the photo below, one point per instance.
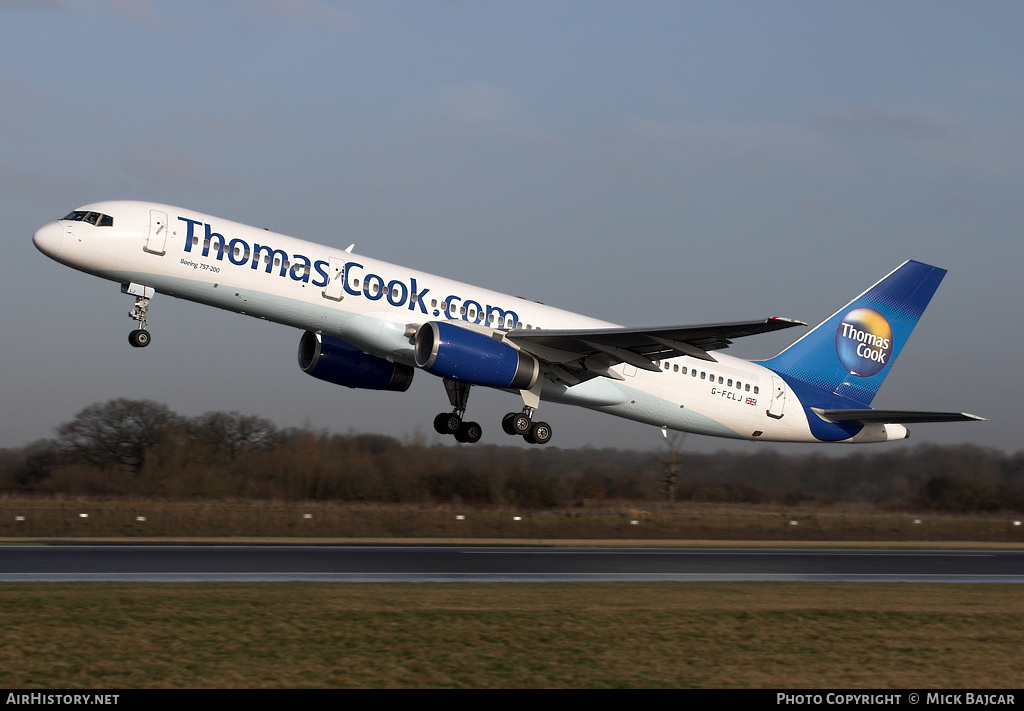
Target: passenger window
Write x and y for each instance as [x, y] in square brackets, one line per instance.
[729, 383]
[676, 368]
[755, 390]
[702, 373]
[747, 387]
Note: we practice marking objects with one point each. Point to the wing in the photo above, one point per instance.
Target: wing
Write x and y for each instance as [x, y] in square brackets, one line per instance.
[892, 417]
[575, 355]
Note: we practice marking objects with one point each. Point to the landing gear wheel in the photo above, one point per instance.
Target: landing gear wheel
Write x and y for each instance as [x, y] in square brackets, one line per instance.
[447, 423]
[139, 338]
[452, 423]
[506, 424]
[540, 433]
[439, 425]
[520, 423]
[469, 432]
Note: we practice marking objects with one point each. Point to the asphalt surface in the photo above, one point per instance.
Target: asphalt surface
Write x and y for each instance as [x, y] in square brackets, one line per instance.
[179, 563]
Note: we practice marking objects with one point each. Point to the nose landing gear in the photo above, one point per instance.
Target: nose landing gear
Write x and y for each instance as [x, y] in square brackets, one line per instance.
[140, 337]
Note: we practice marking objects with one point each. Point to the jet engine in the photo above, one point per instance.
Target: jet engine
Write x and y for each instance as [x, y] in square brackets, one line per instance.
[337, 362]
[472, 357]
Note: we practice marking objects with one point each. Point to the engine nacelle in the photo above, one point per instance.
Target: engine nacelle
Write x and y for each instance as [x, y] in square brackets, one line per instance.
[472, 357]
[337, 362]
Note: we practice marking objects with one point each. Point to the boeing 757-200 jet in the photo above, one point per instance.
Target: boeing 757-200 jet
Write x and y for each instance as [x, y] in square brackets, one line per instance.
[369, 324]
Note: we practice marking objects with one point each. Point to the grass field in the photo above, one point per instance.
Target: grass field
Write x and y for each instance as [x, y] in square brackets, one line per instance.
[777, 635]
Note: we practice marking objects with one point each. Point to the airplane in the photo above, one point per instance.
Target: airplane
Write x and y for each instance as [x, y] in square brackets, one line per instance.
[373, 325]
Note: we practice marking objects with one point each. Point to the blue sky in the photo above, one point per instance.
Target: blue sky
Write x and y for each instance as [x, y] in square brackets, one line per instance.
[646, 163]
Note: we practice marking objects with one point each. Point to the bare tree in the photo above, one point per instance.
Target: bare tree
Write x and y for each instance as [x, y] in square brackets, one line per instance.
[670, 465]
[116, 433]
[225, 435]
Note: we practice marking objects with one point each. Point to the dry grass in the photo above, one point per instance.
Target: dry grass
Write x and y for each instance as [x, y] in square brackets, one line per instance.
[62, 518]
[788, 635]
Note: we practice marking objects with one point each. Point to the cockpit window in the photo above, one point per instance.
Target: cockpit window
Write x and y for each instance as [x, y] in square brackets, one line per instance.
[93, 218]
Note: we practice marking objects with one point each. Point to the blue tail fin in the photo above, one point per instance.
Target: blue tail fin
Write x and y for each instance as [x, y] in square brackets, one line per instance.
[851, 352]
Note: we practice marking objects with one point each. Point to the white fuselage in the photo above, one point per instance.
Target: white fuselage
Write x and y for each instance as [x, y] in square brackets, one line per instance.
[376, 306]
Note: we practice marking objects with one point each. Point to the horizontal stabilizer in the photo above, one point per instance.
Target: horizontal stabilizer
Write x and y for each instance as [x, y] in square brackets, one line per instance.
[887, 417]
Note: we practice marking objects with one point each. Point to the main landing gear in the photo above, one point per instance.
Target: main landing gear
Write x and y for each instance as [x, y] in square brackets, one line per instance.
[514, 423]
[521, 423]
[451, 422]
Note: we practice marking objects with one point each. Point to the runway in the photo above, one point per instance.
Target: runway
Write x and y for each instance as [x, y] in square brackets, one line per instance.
[387, 563]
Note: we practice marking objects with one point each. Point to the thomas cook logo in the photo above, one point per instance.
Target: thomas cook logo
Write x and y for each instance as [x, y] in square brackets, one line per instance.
[864, 342]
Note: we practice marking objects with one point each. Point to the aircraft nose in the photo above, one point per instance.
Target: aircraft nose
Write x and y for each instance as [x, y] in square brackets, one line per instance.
[47, 239]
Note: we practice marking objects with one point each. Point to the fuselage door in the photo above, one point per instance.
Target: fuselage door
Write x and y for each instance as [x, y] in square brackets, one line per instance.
[156, 237]
[335, 286]
[778, 402]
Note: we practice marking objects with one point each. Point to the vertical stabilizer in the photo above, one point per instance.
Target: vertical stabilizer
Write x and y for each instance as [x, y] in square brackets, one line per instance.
[850, 353]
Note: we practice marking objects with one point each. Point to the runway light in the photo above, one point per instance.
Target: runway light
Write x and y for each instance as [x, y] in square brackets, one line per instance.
[83, 515]
[19, 518]
[140, 518]
[517, 518]
[633, 522]
[917, 520]
[307, 515]
[1016, 523]
[460, 517]
[792, 523]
